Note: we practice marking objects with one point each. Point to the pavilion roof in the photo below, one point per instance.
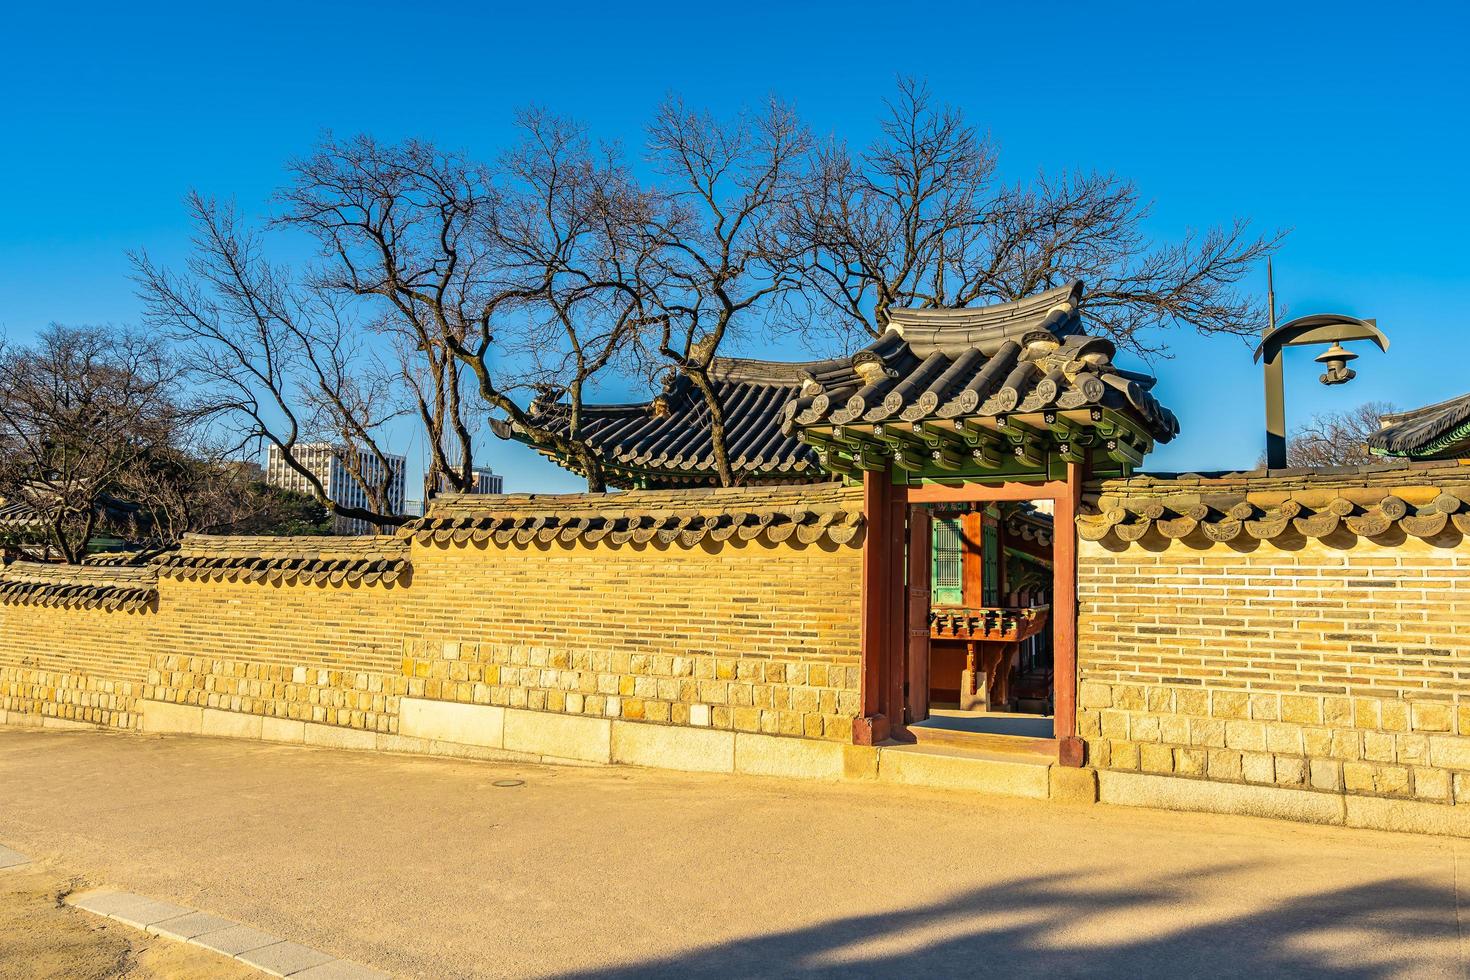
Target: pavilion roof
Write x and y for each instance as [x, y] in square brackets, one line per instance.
[998, 389]
[1440, 431]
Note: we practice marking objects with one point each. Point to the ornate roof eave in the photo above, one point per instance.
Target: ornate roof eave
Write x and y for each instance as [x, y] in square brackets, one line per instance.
[1371, 502]
[1001, 447]
[129, 589]
[302, 560]
[686, 518]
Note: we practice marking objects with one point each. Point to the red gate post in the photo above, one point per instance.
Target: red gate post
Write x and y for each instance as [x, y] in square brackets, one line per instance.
[1064, 618]
[882, 634]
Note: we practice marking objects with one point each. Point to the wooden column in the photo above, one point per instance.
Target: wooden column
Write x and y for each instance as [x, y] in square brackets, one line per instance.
[882, 612]
[920, 546]
[1064, 617]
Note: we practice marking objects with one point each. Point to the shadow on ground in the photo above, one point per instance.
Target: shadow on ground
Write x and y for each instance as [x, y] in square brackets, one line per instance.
[1056, 927]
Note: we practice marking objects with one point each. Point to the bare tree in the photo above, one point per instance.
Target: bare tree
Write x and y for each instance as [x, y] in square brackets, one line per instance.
[918, 219]
[1337, 438]
[453, 250]
[275, 359]
[723, 232]
[79, 410]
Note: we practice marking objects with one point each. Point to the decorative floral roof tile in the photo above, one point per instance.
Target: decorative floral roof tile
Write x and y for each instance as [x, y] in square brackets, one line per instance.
[77, 586]
[683, 517]
[1420, 499]
[369, 559]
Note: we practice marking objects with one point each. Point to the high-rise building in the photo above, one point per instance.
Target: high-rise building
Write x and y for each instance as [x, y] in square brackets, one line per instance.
[486, 481]
[328, 463]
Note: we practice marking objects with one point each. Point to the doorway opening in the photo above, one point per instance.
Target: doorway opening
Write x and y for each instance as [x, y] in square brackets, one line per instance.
[986, 616]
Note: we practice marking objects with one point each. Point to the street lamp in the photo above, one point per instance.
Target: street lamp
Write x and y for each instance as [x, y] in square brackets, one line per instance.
[1316, 328]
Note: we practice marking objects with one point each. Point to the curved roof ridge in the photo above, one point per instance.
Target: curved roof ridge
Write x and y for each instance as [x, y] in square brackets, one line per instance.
[751, 371]
[987, 327]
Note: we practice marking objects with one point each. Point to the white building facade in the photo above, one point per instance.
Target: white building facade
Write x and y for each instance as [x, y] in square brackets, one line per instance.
[328, 463]
[485, 481]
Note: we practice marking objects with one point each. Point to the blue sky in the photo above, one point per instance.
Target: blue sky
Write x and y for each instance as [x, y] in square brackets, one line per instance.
[1344, 122]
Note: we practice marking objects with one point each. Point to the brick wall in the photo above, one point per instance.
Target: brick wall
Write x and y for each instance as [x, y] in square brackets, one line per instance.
[85, 665]
[1335, 668]
[747, 634]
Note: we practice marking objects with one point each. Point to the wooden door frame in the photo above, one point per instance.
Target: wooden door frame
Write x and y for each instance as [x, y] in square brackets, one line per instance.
[884, 617]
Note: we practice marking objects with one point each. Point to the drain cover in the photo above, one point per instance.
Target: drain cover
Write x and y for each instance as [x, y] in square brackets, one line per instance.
[507, 783]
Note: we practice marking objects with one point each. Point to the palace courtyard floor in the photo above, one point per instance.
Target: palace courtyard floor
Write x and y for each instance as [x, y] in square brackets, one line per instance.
[426, 867]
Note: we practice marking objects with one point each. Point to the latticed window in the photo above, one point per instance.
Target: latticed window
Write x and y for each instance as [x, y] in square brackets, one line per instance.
[948, 584]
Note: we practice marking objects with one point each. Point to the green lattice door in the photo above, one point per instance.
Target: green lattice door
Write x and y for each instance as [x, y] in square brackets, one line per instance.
[990, 566]
[947, 586]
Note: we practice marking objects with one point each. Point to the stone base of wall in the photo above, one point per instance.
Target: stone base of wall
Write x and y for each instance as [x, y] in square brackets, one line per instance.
[509, 734]
[489, 732]
[1304, 806]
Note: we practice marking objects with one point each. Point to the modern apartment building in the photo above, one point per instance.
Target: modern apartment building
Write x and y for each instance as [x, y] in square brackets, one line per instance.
[328, 463]
[486, 481]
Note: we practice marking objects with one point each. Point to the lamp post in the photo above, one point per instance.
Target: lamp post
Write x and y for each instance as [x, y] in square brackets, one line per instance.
[1316, 328]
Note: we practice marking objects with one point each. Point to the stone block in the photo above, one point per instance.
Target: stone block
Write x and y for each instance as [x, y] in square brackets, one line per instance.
[282, 730]
[285, 958]
[185, 927]
[1326, 774]
[450, 721]
[1258, 767]
[1207, 732]
[1190, 762]
[1144, 728]
[1094, 695]
[1174, 793]
[803, 758]
[1114, 725]
[1410, 816]
[171, 719]
[1229, 704]
[558, 736]
[340, 970]
[1432, 784]
[1247, 736]
[1225, 764]
[938, 768]
[1430, 716]
[1070, 784]
[1284, 739]
[1392, 780]
[1378, 747]
[1265, 707]
[1394, 716]
[1357, 777]
[235, 940]
[1337, 712]
[138, 911]
[1300, 709]
[1290, 770]
[336, 737]
[231, 724]
[673, 747]
[1124, 755]
[1449, 751]
[1156, 758]
[1413, 749]
[1174, 729]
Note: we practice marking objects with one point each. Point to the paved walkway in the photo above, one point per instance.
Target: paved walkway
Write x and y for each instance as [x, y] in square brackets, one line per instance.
[425, 867]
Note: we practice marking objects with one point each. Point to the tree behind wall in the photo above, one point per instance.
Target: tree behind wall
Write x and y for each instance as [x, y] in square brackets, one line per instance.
[79, 410]
[1337, 438]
